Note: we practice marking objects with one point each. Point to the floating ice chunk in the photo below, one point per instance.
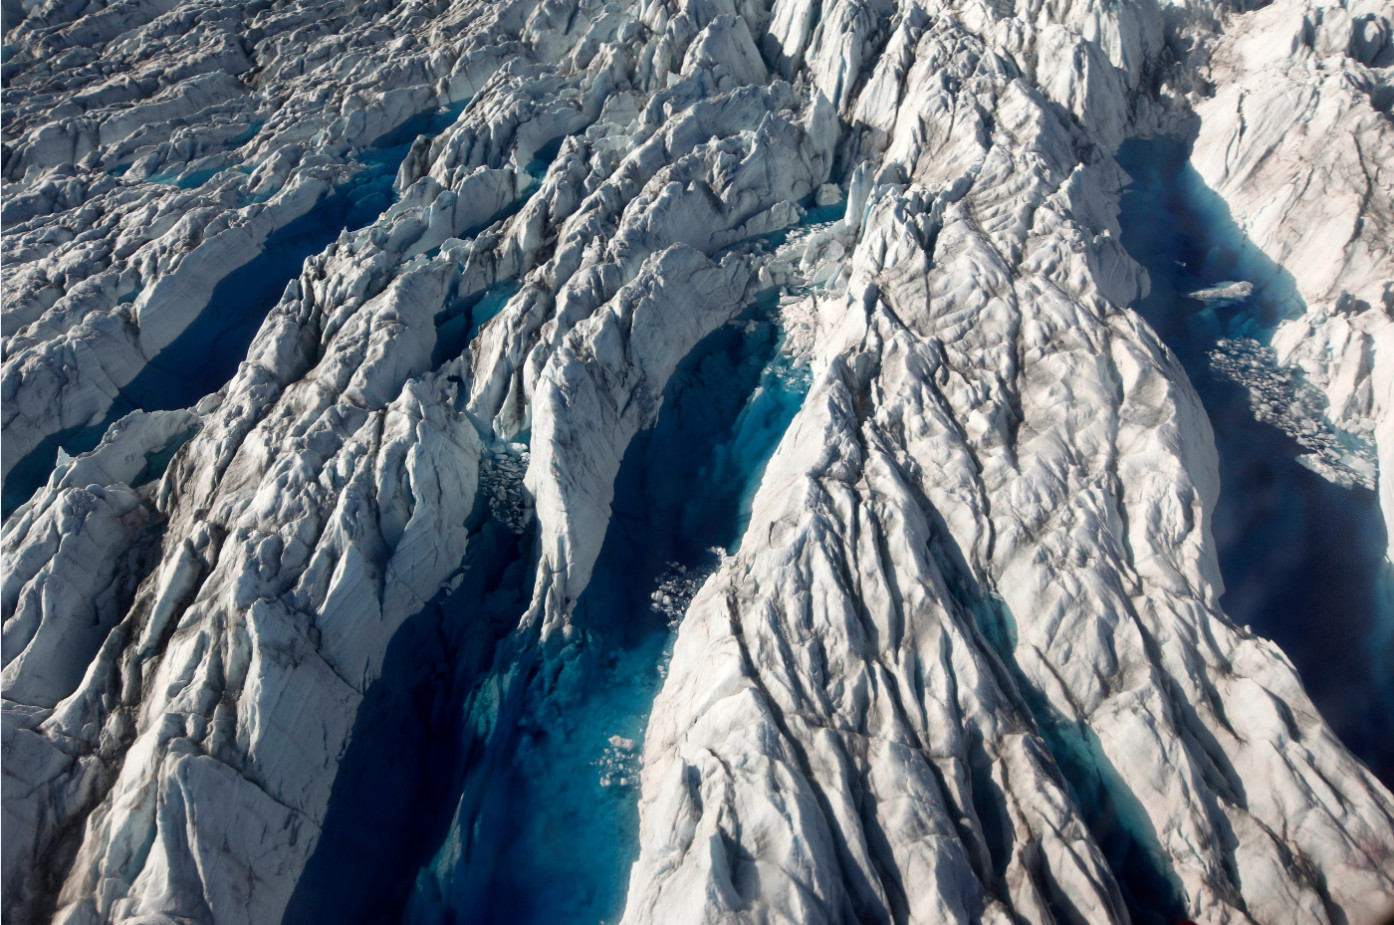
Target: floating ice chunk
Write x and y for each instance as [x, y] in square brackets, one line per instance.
[1281, 397]
[1224, 292]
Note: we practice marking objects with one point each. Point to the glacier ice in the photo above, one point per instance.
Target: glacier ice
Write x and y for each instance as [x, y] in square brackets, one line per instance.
[1301, 554]
[343, 344]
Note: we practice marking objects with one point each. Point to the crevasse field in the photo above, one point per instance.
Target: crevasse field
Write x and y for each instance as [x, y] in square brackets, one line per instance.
[697, 461]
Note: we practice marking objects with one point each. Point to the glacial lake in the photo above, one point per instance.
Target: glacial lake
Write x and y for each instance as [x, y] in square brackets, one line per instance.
[1303, 559]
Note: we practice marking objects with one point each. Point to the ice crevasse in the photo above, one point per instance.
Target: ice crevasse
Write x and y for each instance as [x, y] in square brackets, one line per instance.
[695, 461]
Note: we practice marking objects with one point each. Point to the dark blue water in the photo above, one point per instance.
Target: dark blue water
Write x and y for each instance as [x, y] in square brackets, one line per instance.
[208, 353]
[535, 170]
[542, 160]
[251, 131]
[431, 122]
[1117, 819]
[33, 470]
[1119, 823]
[406, 761]
[459, 324]
[814, 214]
[549, 829]
[1302, 558]
[199, 177]
[186, 180]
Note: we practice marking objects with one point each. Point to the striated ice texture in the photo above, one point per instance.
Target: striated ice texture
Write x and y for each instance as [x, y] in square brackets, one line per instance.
[670, 461]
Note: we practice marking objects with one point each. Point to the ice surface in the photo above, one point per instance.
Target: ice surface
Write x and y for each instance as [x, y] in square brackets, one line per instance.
[694, 461]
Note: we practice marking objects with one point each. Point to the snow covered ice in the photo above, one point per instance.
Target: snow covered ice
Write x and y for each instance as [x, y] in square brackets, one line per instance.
[697, 461]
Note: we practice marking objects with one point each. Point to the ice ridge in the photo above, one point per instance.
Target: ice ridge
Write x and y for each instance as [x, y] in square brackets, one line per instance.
[963, 656]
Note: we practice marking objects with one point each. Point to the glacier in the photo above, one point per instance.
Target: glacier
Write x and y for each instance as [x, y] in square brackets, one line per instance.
[697, 461]
[1284, 543]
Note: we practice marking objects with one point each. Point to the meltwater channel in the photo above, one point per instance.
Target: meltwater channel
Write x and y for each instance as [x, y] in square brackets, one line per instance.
[511, 773]
[206, 355]
[1303, 559]
[552, 836]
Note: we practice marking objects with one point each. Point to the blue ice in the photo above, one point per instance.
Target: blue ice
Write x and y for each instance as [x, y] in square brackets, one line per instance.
[1303, 558]
[548, 829]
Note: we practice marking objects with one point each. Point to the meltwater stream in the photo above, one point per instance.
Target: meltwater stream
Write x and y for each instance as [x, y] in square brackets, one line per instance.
[1303, 558]
[206, 355]
[546, 828]
[209, 351]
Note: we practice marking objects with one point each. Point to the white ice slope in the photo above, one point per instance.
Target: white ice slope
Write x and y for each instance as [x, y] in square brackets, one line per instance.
[976, 606]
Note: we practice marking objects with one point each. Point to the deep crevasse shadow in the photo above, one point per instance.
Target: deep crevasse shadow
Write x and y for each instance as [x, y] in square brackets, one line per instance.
[206, 355]
[1147, 886]
[546, 826]
[405, 759]
[1303, 559]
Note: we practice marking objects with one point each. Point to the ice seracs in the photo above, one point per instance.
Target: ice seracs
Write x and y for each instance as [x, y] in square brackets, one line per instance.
[968, 662]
